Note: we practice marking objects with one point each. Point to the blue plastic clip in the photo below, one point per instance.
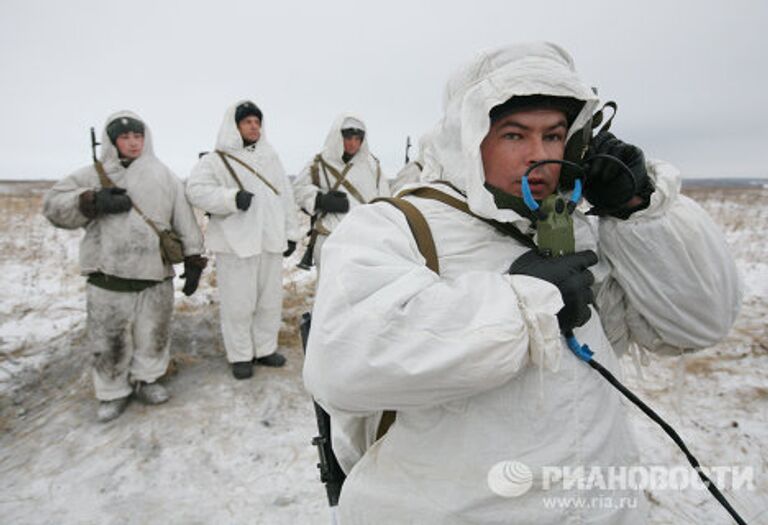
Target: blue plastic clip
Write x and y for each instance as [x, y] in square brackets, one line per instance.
[528, 196]
[576, 195]
[531, 202]
[583, 352]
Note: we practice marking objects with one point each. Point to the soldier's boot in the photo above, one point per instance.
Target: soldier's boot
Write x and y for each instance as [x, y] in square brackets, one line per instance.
[109, 410]
[274, 360]
[151, 393]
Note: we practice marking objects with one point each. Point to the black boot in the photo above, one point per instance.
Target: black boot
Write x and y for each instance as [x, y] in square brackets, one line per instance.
[274, 360]
[242, 369]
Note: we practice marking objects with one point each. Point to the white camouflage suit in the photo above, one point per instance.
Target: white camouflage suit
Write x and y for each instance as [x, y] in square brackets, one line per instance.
[364, 175]
[411, 172]
[472, 359]
[248, 244]
[129, 332]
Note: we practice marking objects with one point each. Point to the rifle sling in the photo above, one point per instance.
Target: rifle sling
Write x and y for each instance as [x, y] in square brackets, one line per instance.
[224, 156]
[318, 228]
[419, 228]
[106, 182]
[426, 243]
[504, 228]
[341, 179]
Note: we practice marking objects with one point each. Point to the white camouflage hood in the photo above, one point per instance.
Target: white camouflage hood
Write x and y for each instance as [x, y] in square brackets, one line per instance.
[229, 138]
[492, 78]
[109, 156]
[333, 149]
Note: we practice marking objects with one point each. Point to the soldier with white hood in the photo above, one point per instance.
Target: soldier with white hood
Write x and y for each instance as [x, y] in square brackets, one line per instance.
[344, 175]
[472, 358]
[253, 224]
[411, 172]
[130, 285]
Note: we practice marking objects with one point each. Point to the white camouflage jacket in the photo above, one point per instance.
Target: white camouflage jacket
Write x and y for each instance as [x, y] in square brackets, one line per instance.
[123, 244]
[472, 359]
[272, 218]
[364, 174]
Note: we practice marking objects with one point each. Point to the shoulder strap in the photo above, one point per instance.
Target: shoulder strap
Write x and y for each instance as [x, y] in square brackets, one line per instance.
[505, 228]
[229, 169]
[314, 171]
[106, 182]
[341, 180]
[419, 228]
[103, 179]
[378, 169]
[426, 244]
[224, 155]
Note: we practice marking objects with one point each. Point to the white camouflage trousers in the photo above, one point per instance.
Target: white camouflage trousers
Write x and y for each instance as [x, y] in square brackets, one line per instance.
[129, 333]
[251, 295]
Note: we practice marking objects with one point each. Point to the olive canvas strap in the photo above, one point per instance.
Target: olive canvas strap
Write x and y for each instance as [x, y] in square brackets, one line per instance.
[224, 155]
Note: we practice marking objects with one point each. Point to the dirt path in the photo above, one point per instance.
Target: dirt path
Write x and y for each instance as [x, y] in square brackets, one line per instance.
[220, 451]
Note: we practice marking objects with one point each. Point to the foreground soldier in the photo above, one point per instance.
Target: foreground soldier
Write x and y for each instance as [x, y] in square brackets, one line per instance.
[341, 177]
[472, 359]
[253, 224]
[130, 286]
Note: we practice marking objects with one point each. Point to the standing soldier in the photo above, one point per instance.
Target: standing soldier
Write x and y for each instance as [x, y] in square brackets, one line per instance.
[344, 175]
[254, 223]
[128, 202]
[462, 337]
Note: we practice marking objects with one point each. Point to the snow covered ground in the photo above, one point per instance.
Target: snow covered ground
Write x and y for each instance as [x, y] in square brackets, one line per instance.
[226, 451]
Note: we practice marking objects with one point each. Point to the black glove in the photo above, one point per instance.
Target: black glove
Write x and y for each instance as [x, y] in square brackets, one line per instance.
[193, 269]
[111, 200]
[243, 199]
[291, 249]
[332, 202]
[569, 273]
[609, 186]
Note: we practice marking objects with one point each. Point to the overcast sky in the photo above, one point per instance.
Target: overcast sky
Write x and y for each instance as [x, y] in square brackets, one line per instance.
[690, 77]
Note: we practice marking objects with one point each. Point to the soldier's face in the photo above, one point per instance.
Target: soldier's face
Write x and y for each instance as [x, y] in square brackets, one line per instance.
[250, 128]
[130, 144]
[518, 140]
[352, 144]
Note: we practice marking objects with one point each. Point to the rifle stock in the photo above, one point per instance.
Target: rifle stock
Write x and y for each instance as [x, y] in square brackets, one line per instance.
[308, 259]
[330, 471]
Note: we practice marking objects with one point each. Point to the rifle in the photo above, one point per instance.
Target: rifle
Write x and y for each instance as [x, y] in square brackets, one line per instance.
[407, 147]
[94, 144]
[307, 260]
[330, 471]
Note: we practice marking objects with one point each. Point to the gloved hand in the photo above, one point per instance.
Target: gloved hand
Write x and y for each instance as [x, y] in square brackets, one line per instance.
[243, 200]
[291, 249]
[609, 187]
[111, 200]
[332, 202]
[193, 269]
[87, 203]
[569, 273]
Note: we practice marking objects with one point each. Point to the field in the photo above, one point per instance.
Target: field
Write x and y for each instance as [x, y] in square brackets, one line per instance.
[239, 452]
